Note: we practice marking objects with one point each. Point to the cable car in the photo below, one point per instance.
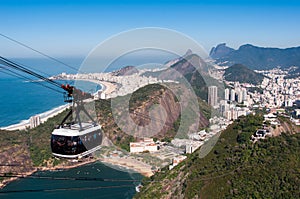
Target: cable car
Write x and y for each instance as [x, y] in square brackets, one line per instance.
[76, 139]
[71, 141]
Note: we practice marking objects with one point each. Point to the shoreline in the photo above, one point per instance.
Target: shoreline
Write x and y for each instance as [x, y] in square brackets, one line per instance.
[127, 163]
[44, 117]
[106, 88]
[37, 169]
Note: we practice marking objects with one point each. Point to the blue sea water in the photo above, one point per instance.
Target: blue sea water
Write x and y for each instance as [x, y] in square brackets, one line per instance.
[104, 182]
[20, 99]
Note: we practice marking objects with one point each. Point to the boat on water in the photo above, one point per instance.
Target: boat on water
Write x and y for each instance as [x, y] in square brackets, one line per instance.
[138, 188]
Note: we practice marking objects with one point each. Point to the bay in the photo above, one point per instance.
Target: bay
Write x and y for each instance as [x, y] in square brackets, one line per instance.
[105, 182]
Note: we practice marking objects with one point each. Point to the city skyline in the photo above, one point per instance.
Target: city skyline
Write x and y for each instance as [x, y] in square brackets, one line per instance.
[74, 28]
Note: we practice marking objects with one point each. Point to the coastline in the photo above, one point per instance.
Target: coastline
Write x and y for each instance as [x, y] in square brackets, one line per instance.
[55, 168]
[129, 163]
[107, 88]
[126, 163]
[44, 117]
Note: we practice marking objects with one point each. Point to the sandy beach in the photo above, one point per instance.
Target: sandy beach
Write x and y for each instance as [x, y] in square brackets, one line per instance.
[107, 88]
[130, 163]
[44, 117]
[125, 162]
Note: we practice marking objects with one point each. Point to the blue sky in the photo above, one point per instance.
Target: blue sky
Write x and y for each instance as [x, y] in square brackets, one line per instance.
[73, 28]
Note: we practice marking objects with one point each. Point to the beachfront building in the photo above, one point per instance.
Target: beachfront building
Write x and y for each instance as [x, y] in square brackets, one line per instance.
[35, 121]
[146, 145]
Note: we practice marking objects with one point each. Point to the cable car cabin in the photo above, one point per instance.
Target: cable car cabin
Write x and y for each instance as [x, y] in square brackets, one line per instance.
[68, 141]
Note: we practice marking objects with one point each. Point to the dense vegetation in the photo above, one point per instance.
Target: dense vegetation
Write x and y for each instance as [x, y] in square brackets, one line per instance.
[234, 168]
[240, 73]
[29, 147]
[39, 142]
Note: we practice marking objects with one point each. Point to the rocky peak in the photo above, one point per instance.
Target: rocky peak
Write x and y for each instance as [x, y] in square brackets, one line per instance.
[220, 51]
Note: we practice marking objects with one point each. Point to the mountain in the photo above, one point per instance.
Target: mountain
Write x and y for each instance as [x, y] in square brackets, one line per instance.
[234, 168]
[140, 104]
[242, 74]
[293, 72]
[127, 70]
[260, 58]
[191, 68]
[173, 61]
[220, 51]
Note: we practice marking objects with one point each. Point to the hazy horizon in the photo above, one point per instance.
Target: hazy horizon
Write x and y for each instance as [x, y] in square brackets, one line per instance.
[74, 28]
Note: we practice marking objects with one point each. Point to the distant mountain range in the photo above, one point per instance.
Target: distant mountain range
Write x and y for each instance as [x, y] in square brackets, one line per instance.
[219, 51]
[254, 57]
[242, 74]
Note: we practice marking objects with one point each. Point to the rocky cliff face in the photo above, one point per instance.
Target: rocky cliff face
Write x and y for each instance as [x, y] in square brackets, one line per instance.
[164, 121]
[171, 110]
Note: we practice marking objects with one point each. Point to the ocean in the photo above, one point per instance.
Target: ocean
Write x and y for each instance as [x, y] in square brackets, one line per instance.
[22, 99]
[97, 181]
[19, 100]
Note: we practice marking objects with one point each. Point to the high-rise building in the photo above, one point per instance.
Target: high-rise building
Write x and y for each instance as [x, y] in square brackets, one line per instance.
[213, 95]
[239, 96]
[228, 115]
[245, 96]
[227, 94]
[232, 95]
[34, 121]
[234, 114]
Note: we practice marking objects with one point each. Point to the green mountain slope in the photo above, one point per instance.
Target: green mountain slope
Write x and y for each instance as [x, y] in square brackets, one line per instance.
[235, 168]
[242, 74]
